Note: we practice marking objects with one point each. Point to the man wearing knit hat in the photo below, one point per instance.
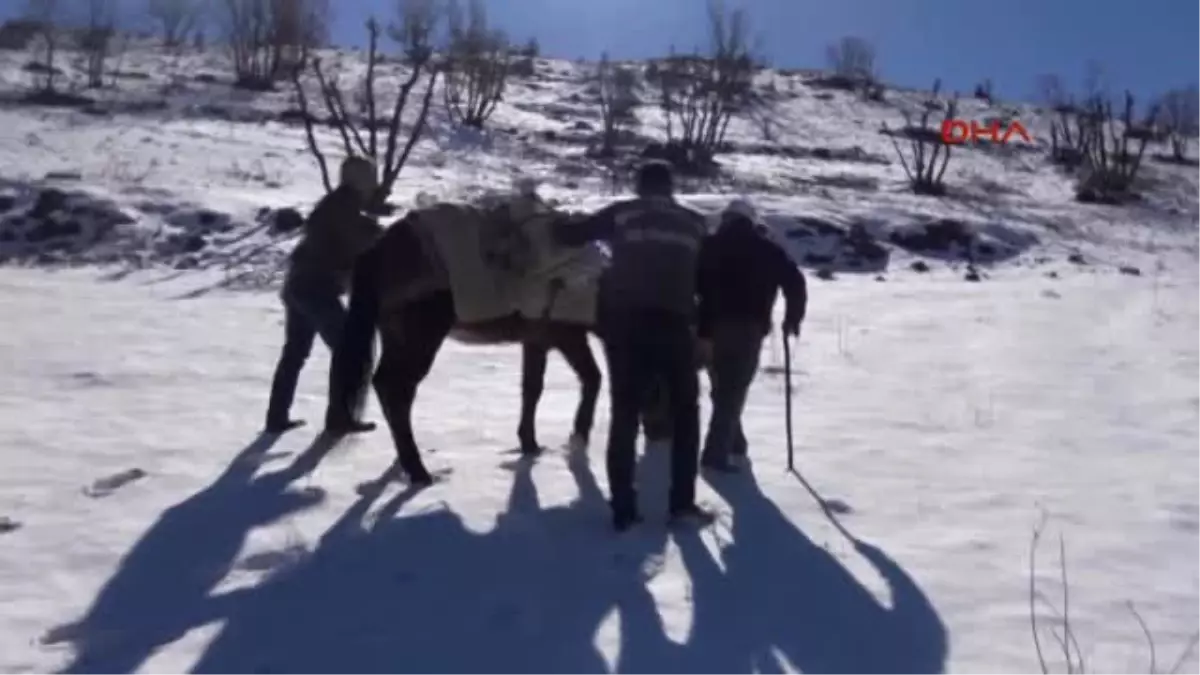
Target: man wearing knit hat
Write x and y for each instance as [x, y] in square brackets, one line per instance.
[648, 308]
[741, 271]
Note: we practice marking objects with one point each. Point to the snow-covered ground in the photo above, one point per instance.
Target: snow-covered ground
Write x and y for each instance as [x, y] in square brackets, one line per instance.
[945, 414]
[151, 530]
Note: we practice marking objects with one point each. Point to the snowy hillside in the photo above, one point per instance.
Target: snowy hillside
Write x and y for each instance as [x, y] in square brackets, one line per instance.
[145, 528]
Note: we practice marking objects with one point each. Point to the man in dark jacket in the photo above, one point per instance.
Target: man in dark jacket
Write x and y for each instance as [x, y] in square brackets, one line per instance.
[335, 234]
[647, 313]
[740, 272]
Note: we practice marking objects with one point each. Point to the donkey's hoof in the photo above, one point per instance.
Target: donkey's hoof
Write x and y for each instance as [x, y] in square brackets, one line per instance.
[419, 477]
[528, 442]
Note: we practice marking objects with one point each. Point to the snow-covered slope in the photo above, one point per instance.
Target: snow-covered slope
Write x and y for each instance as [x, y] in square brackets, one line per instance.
[172, 135]
[150, 530]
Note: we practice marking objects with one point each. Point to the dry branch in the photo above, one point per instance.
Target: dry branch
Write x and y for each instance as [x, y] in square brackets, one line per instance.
[360, 134]
[478, 63]
[1064, 634]
[924, 174]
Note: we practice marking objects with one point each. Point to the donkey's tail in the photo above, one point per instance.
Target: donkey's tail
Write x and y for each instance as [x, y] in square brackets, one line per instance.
[353, 357]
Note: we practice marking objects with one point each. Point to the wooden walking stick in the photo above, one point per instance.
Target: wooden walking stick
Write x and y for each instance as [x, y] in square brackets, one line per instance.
[787, 400]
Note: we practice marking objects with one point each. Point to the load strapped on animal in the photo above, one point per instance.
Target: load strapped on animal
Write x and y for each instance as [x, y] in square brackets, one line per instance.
[499, 258]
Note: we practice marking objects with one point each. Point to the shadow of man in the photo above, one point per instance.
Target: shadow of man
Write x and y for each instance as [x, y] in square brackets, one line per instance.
[161, 588]
[324, 612]
[595, 572]
[425, 593]
[782, 596]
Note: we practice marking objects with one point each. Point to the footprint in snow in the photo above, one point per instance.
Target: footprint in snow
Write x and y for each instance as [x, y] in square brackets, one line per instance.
[104, 487]
[838, 506]
[8, 525]
[1185, 517]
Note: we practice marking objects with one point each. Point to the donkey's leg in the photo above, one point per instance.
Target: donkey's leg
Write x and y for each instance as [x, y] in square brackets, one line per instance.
[573, 344]
[410, 345]
[533, 380]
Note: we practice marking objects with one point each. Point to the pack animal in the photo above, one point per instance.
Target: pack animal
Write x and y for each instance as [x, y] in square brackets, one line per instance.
[482, 275]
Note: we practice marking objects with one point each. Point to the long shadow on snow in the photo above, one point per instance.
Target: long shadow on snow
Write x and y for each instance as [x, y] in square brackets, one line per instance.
[162, 587]
[424, 593]
[781, 595]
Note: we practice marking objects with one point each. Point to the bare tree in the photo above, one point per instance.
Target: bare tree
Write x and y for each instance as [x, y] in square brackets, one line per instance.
[1095, 80]
[1049, 90]
[925, 175]
[299, 27]
[176, 18]
[852, 58]
[1111, 165]
[617, 93]
[248, 26]
[1179, 119]
[95, 38]
[360, 133]
[1072, 129]
[45, 15]
[701, 93]
[478, 61]
[270, 38]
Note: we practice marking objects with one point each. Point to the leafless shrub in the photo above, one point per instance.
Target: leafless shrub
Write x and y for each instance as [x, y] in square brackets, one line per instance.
[45, 16]
[414, 32]
[983, 91]
[617, 92]
[1071, 132]
[17, 34]
[1111, 165]
[765, 116]
[853, 58]
[702, 92]
[95, 39]
[175, 18]
[1064, 634]
[1179, 119]
[271, 38]
[477, 65]
[119, 49]
[927, 146]
[523, 67]
[525, 63]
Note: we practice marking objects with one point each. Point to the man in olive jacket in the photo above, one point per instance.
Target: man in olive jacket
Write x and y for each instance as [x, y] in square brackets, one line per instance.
[648, 308]
[319, 272]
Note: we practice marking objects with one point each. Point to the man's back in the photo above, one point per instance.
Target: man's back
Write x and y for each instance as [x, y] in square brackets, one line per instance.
[740, 273]
[655, 245]
[335, 233]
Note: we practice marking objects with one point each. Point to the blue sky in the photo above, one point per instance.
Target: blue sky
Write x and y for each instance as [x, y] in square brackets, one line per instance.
[1144, 45]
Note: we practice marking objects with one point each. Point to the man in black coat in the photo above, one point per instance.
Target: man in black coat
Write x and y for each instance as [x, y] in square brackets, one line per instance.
[335, 234]
[648, 309]
[741, 270]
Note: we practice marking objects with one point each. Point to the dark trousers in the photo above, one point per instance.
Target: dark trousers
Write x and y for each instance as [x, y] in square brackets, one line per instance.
[641, 347]
[735, 352]
[310, 309]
